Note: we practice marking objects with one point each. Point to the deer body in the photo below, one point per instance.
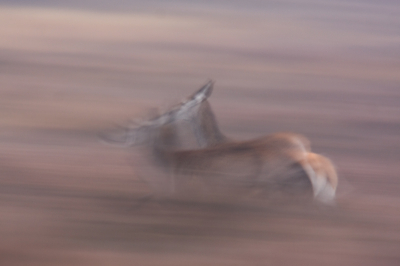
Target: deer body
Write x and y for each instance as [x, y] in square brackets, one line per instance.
[260, 163]
[263, 163]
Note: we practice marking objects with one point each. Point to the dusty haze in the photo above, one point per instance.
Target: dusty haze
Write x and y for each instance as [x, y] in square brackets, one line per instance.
[70, 70]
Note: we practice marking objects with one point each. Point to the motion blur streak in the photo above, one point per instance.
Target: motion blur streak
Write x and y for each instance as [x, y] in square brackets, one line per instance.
[71, 69]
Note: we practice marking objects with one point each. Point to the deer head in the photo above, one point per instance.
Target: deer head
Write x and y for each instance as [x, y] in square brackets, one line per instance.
[159, 126]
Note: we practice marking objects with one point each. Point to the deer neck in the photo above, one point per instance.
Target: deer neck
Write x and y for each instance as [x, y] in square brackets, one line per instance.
[206, 128]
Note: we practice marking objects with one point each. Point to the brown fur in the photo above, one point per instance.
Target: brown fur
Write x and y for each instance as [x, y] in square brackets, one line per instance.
[258, 163]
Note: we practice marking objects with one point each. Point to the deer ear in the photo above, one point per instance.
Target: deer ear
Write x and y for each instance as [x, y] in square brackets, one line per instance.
[203, 93]
[210, 87]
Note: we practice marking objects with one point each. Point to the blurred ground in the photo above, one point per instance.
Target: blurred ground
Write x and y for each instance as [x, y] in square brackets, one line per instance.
[328, 71]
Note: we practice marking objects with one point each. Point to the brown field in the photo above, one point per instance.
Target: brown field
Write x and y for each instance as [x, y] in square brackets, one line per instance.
[67, 75]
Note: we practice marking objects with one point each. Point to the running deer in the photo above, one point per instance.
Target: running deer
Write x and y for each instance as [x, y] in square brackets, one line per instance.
[263, 163]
